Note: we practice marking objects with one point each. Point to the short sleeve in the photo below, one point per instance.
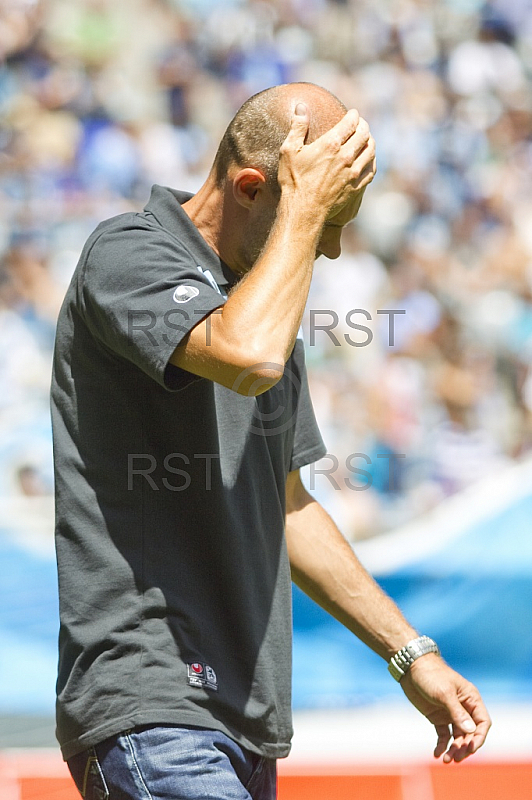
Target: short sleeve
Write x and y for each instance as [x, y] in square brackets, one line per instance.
[308, 445]
[141, 293]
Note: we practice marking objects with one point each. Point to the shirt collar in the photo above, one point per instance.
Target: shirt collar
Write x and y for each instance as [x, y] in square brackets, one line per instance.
[165, 205]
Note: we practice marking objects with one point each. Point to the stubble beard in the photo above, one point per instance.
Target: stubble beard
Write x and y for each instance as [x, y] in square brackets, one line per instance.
[254, 246]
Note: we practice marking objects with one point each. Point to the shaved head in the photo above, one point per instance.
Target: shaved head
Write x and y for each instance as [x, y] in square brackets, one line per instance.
[256, 133]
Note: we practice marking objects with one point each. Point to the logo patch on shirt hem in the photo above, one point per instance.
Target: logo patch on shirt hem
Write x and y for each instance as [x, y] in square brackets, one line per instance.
[185, 293]
[202, 676]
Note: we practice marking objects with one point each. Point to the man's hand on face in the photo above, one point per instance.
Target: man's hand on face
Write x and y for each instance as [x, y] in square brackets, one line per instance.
[452, 704]
[331, 171]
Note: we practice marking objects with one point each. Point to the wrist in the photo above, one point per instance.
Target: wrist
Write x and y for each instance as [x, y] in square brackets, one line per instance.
[302, 208]
[401, 662]
[425, 662]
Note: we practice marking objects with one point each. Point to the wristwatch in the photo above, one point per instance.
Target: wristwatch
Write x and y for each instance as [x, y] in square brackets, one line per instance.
[401, 662]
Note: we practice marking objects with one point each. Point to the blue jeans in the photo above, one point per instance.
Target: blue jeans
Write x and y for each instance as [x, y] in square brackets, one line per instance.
[166, 762]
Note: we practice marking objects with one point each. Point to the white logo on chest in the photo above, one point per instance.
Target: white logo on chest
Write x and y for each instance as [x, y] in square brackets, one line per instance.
[185, 293]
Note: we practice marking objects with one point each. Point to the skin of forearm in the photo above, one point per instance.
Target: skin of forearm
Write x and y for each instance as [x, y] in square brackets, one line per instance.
[325, 567]
[268, 305]
[245, 344]
[266, 308]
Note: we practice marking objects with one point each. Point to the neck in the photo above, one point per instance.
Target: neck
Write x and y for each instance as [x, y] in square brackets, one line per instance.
[208, 211]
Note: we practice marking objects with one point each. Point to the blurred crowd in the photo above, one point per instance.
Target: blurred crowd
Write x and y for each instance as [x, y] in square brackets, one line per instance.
[99, 99]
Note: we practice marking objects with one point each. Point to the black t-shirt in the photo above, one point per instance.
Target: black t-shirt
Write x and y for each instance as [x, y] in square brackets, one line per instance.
[170, 494]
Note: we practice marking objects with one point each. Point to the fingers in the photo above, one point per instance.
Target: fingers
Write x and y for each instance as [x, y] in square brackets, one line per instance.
[444, 736]
[469, 734]
[298, 128]
[358, 149]
[462, 721]
[461, 746]
[332, 166]
[451, 703]
[479, 737]
[344, 129]
[358, 143]
[482, 720]
[463, 727]
[469, 715]
[364, 167]
[351, 129]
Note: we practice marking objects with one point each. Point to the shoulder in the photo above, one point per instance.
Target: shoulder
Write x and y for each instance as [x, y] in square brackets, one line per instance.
[127, 224]
[132, 238]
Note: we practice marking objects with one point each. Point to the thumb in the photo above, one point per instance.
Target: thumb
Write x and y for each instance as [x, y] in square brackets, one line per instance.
[461, 720]
[299, 125]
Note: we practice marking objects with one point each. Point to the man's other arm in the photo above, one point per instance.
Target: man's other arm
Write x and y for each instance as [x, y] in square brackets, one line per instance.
[325, 567]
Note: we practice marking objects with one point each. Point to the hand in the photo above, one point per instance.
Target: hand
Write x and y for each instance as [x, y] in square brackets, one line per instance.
[332, 171]
[451, 703]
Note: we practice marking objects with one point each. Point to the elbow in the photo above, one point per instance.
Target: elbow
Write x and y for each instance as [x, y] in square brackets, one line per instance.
[257, 378]
[256, 372]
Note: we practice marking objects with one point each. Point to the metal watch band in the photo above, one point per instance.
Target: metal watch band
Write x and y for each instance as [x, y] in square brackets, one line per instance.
[401, 662]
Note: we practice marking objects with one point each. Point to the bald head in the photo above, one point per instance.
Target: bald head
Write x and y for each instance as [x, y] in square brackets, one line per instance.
[256, 133]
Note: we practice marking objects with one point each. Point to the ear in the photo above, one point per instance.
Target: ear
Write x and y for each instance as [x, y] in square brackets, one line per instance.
[247, 185]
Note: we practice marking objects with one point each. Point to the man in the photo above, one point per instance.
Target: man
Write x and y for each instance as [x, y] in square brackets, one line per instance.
[181, 419]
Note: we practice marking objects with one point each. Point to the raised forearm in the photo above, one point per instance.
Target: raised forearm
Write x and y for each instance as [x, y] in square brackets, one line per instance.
[267, 305]
[251, 337]
[314, 180]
